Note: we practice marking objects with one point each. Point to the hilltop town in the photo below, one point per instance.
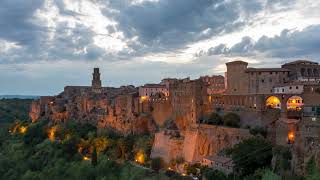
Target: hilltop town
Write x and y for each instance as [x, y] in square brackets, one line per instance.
[284, 102]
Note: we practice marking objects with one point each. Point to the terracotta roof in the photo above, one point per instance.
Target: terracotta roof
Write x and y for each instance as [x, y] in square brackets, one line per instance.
[267, 70]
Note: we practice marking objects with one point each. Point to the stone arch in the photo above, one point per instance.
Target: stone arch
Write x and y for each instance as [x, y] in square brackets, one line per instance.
[273, 102]
[309, 72]
[295, 103]
[315, 72]
[303, 70]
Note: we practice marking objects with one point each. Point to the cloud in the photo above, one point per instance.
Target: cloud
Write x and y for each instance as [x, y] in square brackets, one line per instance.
[169, 25]
[49, 42]
[289, 44]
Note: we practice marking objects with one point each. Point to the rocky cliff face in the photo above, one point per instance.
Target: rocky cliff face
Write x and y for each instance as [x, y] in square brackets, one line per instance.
[115, 108]
[197, 142]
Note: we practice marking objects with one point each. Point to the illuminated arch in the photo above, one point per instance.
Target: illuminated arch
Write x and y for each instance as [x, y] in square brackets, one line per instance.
[295, 103]
[273, 102]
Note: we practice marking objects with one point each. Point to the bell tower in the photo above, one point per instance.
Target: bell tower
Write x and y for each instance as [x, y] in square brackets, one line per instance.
[96, 82]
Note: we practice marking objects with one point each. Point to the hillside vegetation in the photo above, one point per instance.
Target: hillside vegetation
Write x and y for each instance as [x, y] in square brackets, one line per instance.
[14, 109]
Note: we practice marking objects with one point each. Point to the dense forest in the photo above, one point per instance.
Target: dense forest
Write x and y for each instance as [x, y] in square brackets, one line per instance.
[14, 109]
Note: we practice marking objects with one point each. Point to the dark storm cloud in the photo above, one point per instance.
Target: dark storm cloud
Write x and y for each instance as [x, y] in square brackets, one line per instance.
[161, 26]
[288, 44]
[16, 21]
[169, 25]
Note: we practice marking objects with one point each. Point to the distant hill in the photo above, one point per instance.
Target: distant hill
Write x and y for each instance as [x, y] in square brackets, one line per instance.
[18, 97]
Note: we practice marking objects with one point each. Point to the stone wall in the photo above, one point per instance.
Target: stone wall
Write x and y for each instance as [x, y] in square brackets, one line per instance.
[198, 141]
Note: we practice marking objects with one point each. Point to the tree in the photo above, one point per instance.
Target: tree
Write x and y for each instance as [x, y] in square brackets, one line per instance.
[214, 119]
[269, 175]
[231, 120]
[94, 158]
[36, 132]
[157, 163]
[251, 154]
[211, 174]
[259, 130]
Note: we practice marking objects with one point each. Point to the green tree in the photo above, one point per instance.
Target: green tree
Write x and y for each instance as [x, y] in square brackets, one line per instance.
[231, 120]
[214, 119]
[211, 174]
[259, 131]
[36, 133]
[269, 175]
[157, 164]
[251, 154]
[94, 158]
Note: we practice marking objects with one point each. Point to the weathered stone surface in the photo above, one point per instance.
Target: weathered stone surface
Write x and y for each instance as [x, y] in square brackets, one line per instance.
[196, 142]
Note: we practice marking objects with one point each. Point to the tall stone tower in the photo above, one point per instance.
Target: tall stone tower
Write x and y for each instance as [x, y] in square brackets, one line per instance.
[96, 82]
[237, 78]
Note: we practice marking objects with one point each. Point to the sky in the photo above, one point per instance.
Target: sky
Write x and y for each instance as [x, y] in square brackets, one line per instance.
[48, 44]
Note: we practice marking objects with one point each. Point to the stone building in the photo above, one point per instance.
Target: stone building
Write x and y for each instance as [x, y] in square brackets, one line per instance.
[188, 100]
[149, 90]
[293, 90]
[216, 84]
[303, 71]
[104, 107]
[220, 163]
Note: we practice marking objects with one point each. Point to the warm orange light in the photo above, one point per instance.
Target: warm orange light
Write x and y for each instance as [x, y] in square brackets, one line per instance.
[291, 136]
[140, 157]
[273, 102]
[51, 133]
[295, 103]
[85, 158]
[143, 98]
[22, 129]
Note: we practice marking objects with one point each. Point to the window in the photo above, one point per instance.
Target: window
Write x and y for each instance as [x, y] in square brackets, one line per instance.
[297, 87]
[290, 87]
[262, 80]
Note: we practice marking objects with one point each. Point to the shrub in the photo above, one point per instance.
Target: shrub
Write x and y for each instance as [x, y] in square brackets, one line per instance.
[231, 120]
[214, 119]
[157, 164]
[259, 130]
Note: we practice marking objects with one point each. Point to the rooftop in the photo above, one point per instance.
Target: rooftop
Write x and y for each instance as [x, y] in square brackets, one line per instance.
[154, 85]
[220, 159]
[301, 62]
[267, 70]
[237, 62]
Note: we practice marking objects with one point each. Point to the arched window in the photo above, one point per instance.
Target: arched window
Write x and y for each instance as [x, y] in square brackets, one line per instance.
[273, 102]
[315, 72]
[303, 71]
[309, 72]
[295, 103]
